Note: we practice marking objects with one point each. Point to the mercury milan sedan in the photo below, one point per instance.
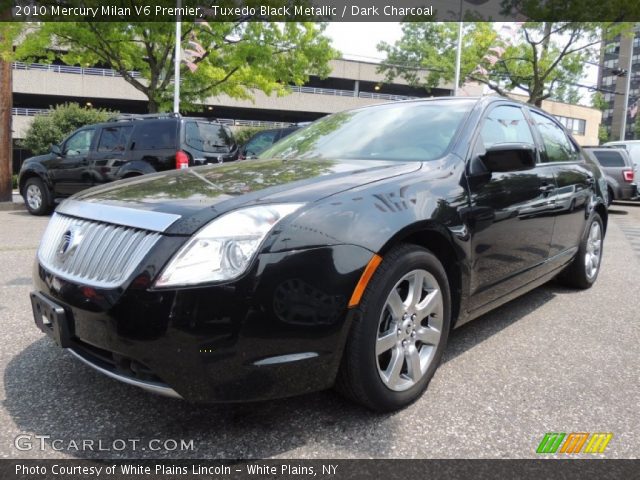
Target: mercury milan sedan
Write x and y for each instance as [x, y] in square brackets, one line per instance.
[343, 257]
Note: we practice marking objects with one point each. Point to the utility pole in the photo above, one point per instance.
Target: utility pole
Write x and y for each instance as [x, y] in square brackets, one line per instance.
[6, 101]
[627, 88]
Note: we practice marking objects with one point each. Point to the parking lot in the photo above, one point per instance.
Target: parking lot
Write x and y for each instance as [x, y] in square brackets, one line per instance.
[555, 360]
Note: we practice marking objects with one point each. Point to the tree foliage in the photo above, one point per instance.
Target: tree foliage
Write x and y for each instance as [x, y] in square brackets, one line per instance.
[236, 56]
[544, 59]
[62, 120]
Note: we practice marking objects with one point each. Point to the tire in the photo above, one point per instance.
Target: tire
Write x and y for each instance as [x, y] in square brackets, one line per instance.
[609, 197]
[380, 340]
[37, 197]
[583, 271]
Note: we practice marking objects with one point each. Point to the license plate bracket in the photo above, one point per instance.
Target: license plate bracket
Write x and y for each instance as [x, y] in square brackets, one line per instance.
[51, 318]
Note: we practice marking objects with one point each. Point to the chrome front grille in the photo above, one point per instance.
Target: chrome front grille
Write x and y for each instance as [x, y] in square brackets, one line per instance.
[93, 253]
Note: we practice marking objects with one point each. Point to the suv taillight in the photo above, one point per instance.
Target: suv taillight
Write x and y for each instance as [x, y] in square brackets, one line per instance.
[182, 160]
[628, 175]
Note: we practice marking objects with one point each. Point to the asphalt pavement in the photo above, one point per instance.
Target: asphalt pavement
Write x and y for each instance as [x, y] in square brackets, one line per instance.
[554, 360]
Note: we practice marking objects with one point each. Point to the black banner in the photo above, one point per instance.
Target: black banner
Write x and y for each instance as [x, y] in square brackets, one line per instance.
[318, 469]
[320, 10]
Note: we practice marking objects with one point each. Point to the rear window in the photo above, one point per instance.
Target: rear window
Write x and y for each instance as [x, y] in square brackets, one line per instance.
[208, 137]
[609, 158]
[155, 135]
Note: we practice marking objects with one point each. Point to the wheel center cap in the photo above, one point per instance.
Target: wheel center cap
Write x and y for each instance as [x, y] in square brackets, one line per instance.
[407, 327]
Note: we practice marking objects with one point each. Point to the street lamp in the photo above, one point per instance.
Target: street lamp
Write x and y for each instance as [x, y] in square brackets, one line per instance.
[176, 61]
[456, 85]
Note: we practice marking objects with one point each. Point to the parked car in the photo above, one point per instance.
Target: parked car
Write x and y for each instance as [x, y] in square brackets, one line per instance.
[343, 256]
[262, 140]
[125, 147]
[632, 147]
[619, 172]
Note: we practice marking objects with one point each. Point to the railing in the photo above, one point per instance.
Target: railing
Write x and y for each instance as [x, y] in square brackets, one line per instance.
[29, 112]
[100, 72]
[348, 93]
[32, 112]
[105, 72]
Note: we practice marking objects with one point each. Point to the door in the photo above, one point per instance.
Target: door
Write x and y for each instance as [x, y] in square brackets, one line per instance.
[511, 214]
[110, 153]
[70, 173]
[575, 182]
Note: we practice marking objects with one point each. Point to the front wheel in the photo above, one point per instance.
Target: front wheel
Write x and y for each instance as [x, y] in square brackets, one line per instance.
[397, 342]
[37, 197]
[583, 270]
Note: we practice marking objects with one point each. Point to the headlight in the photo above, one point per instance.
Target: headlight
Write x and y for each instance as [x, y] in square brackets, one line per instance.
[223, 249]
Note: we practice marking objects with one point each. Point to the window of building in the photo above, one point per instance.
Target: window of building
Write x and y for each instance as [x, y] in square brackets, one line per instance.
[576, 126]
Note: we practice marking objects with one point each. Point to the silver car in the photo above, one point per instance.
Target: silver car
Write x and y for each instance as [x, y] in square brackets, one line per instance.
[620, 172]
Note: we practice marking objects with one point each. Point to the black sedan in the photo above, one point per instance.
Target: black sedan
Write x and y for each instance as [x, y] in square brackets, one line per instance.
[343, 256]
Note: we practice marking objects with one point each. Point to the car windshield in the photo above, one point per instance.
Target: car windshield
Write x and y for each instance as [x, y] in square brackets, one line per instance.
[412, 131]
[208, 137]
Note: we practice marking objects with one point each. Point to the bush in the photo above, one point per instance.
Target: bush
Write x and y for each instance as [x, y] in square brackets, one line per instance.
[54, 127]
[242, 134]
[14, 182]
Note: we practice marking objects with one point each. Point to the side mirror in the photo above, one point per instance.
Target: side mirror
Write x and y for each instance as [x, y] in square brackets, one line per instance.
[509, 157]
[55, 149]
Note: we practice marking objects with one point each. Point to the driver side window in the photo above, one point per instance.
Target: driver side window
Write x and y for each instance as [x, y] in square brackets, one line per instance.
[79, 143]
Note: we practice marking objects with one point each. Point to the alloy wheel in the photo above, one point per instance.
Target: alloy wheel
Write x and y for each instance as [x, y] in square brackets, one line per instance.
[409, 330]
[34, 197]
[594, 250]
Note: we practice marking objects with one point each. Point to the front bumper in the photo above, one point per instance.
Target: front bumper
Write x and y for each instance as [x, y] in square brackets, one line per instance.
[278, 331]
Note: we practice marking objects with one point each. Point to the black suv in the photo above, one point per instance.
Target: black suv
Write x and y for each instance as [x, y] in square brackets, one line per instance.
[122, 148]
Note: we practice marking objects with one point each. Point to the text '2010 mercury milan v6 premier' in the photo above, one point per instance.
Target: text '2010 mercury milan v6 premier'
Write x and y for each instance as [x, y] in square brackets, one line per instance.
[343, 256]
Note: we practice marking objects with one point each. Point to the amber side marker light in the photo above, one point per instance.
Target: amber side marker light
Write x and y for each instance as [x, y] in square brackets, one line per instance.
[364, 280]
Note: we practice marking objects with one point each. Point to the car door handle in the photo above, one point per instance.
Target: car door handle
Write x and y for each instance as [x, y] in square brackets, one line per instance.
[546, 188]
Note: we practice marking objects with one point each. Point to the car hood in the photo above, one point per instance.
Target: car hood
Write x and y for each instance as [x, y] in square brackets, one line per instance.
[187, 199]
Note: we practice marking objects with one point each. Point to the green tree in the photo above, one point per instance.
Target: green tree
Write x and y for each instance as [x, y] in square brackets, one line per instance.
[62, 120]
[543, 58]
[636, 128]
[234, 57]
[603, 134]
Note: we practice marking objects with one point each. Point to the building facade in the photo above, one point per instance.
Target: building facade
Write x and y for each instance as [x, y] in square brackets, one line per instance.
[351, 84]
[614, 75]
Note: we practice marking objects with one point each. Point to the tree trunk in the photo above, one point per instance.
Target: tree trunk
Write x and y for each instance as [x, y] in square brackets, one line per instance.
[6, 157]
[152, 106]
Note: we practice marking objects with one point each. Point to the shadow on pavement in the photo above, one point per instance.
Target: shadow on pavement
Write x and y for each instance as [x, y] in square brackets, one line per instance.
[49, 393]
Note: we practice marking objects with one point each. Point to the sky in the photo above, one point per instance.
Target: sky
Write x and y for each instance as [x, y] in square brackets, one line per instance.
[358, 40]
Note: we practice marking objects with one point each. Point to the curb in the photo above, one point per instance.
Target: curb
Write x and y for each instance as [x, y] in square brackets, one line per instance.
[11, 206]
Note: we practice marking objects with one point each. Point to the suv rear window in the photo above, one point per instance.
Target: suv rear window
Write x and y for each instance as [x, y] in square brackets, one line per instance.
[609, 158]
[155, 135]
[208, 137]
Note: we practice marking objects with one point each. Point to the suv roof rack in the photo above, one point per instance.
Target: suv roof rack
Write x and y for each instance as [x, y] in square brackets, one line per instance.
[147, 116]
[128, 117]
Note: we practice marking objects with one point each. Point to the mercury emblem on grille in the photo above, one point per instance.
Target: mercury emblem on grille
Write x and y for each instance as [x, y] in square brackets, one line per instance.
[69, 242]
